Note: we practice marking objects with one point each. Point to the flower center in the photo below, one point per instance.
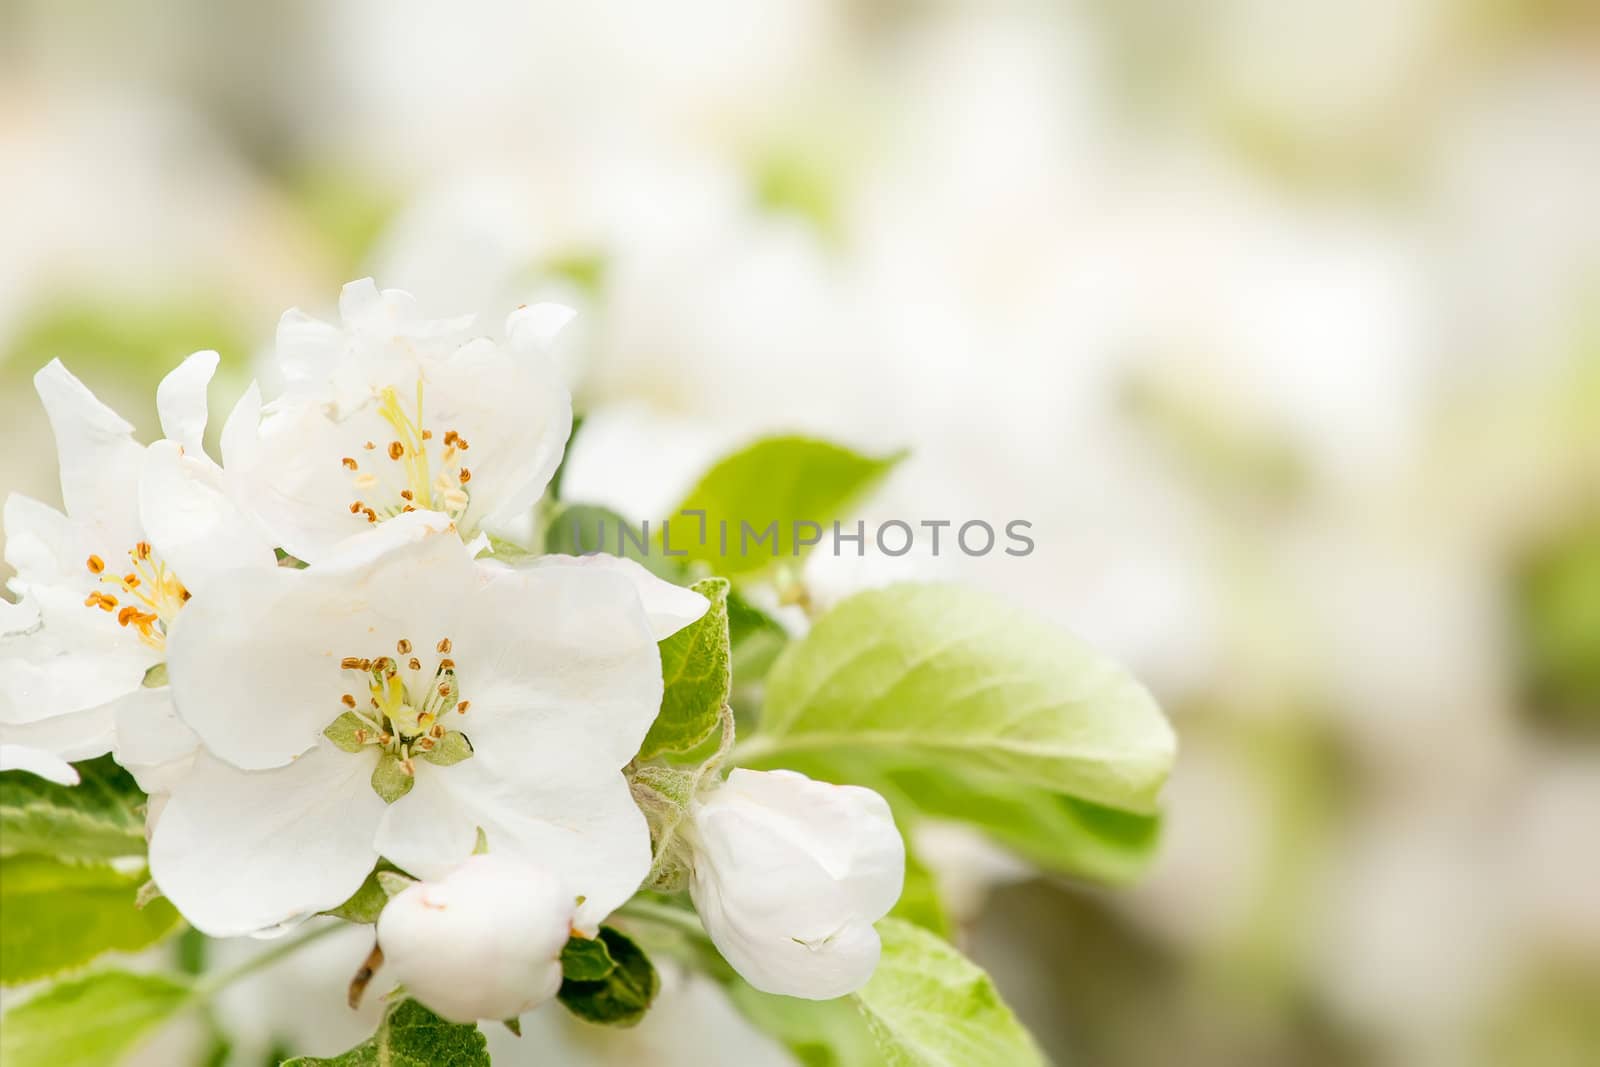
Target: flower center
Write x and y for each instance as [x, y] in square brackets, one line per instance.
[404, 714]
[150, 595]
[402, 475]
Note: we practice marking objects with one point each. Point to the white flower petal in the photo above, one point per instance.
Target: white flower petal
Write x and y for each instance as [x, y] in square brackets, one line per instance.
[789, 876]
[19, 618]
[592, 836]
[74, 736]
[847, 829]
[99, 457]
[196, 528]
[517, 415]
[562, 670]
[37, 761]
[533, 329]
[381, 379]
[58, 656]
[307, 347]
[181, 401]
[669, 607]
[292, 474]
[43, 681]
[255, 665]
[241, 851]
[154, 744]
[36, 535]
[240, 433]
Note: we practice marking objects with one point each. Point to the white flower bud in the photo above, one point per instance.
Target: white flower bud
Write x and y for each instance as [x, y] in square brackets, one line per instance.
[789, 876]
[484, 942]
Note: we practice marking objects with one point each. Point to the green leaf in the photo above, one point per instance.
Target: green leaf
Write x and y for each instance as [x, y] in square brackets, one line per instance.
[412, 1036]
[695, 667]
[1556, 614]
[92, 1021]
[367, 902]
[585, 960]
[1057, 832]
[97, 819]
[820, 1033]
[59, 915]
[942, 676]
[132, 340]
[774, 484]
[346, 211]
[756, 639]
[587, 530]
[919, 902]
[929, 1006]
[624, 995]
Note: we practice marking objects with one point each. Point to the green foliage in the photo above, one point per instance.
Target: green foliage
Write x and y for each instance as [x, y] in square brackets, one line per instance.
[135, 340]
[929, 1006]
[92, 1021]
[586, 960]
[367, 902]
[626, 992]
[411, 1036]
[695, 667]
[776, 482]
[1057, 832]
[1219, 451]
[946, 677]
[97, 819]
[800, 184]
[819, 1033]
[584, 269]
[59, 915]
[919, 902]
[586, 529]
[756, 639]
[348, 212]
[941, 675]
[1557, 605]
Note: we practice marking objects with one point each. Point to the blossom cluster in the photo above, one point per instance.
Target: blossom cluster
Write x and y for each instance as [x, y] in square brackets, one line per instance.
[339, 650]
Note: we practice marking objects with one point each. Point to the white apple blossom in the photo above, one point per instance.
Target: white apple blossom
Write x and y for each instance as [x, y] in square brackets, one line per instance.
[471, 695]
[100, 586]
[789, 876]
[483, 942]
[390, 413]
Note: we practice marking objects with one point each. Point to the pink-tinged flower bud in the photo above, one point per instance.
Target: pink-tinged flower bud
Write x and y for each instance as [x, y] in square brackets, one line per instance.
[484, 942]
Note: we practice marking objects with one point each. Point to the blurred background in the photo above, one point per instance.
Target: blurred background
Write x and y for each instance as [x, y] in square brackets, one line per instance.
[1278, 319]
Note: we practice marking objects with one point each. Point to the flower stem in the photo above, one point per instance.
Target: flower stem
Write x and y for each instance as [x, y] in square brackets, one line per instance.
[650, 911]
[216, 983]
